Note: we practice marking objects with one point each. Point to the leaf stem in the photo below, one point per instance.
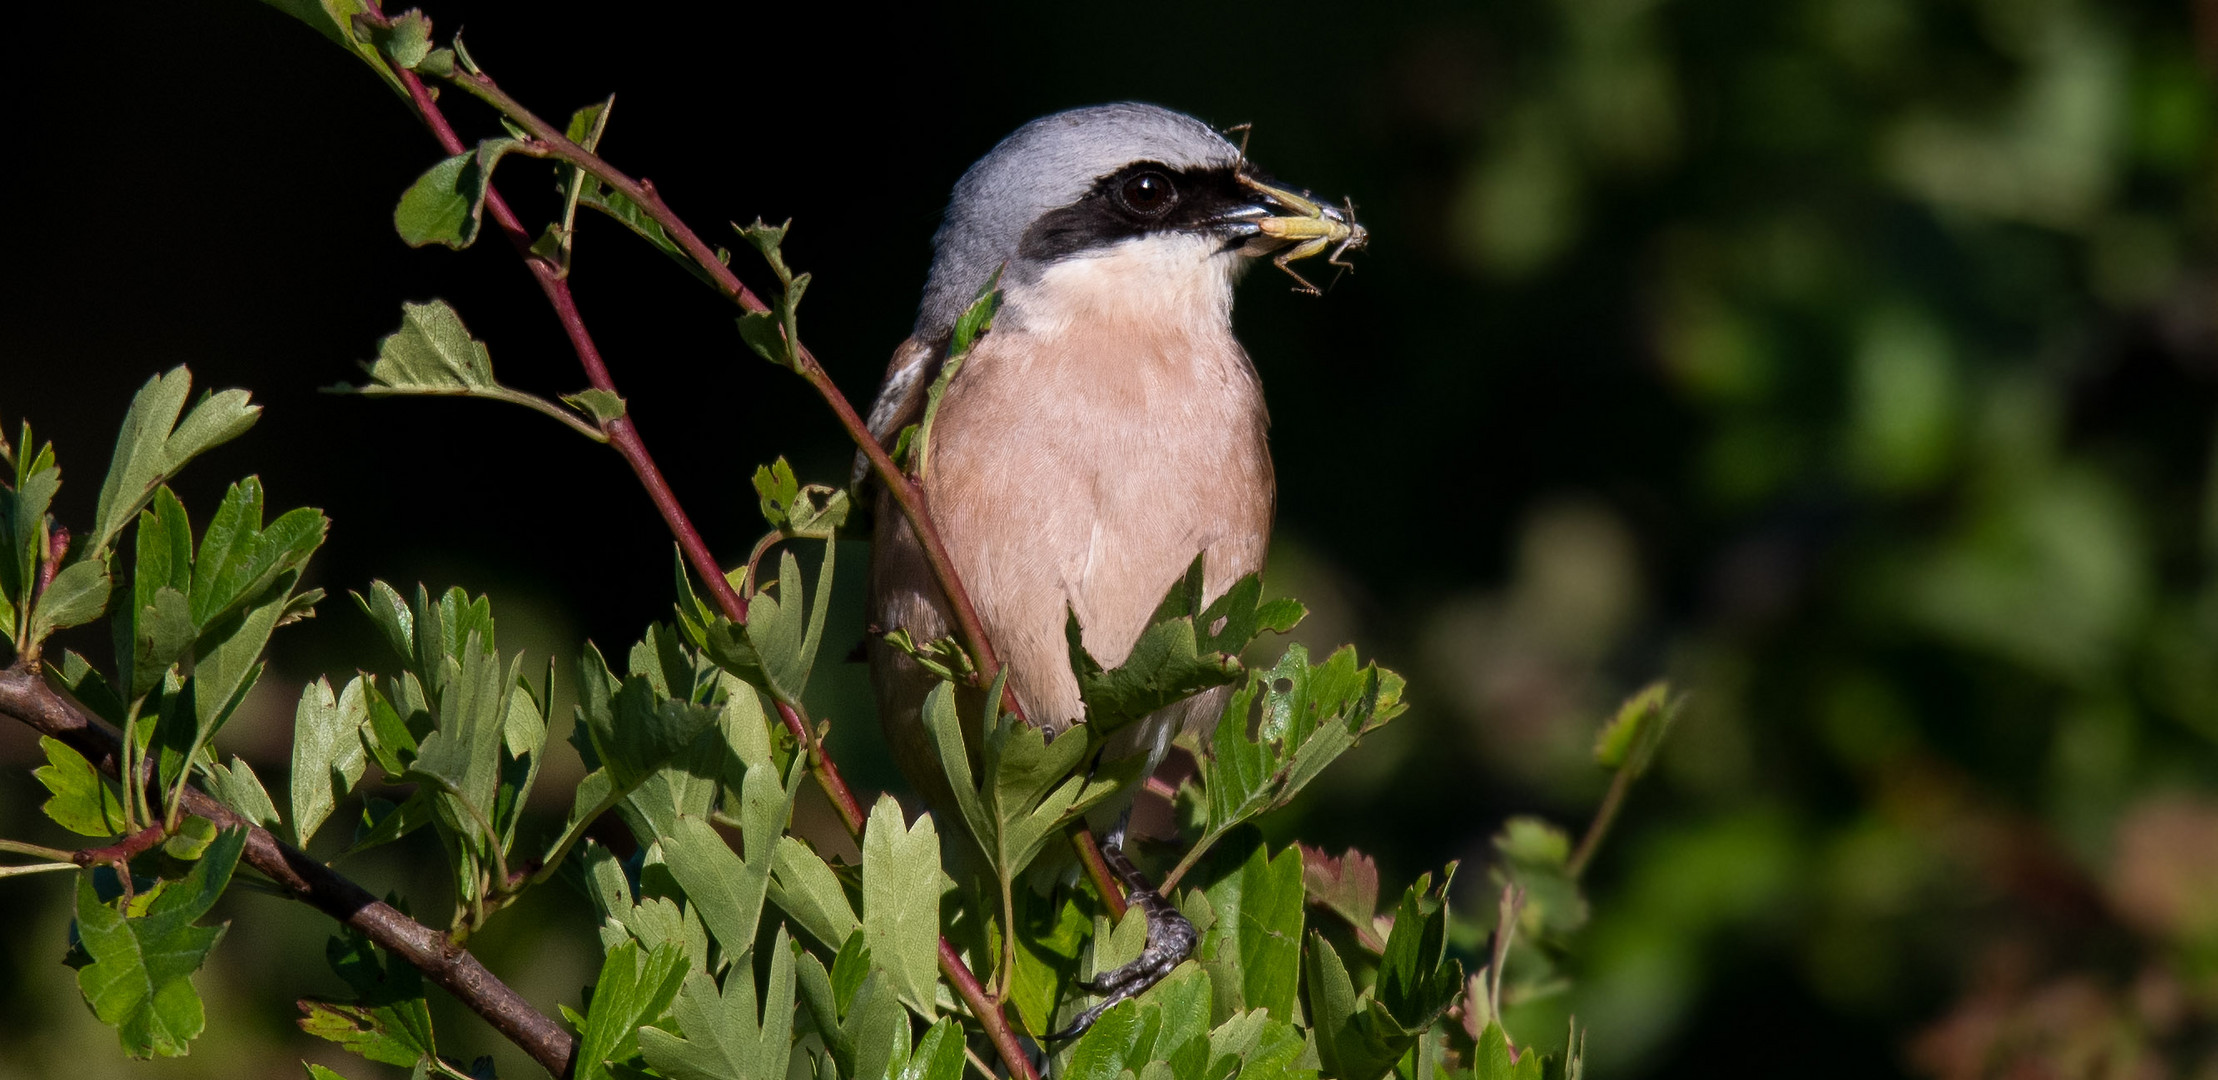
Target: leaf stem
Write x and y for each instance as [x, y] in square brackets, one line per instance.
[35, 868]
[18, 847]
[1604, 816]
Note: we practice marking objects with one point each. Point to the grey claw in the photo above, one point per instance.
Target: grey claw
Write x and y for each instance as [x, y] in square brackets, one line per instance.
[1170, 940]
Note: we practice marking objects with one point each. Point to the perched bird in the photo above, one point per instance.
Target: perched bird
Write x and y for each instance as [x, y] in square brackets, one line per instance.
[1106, 430]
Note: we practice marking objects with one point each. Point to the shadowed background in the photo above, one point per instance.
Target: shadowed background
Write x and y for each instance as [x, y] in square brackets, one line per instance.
[1851, 362]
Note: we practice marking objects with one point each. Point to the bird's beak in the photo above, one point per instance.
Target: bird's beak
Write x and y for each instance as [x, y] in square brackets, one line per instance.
[1293, 224]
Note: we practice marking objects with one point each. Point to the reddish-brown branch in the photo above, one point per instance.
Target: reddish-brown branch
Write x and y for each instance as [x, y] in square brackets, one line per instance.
[26, 697]
[988, 1012]
[906, 494]
[827, 773]
[623, 435]
[625, 438]
[120, 853]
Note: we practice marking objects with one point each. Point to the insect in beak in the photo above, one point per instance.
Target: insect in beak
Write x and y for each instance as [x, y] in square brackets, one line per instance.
[1308, 228]
[1296, 224]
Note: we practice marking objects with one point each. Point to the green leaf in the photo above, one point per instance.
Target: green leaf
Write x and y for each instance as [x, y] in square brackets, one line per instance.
[1351, 1045]
[601, 405]
[76, 596]
[153, 445]
[1253, 949]
[1187, 647]
[82, 801]
[901, 902]
[1026, 788]
[724, 1037]
[631, 729]
[1051, 933]
[775, 334]
[389, 1022]
[405, 40]
[860, 1018]
[335, 20]
[633, 990]
[159, 628]
[1630, 740]
[238, 788]
[630, 215]
[1493, 1060]
[433, 354]
[328, 756]
[240, 561]
[785, 640]
[24, 531]
[385, 608]
[805, 888]
[318, 1072]
[446, 205]
[938, 1056]
[139, 978]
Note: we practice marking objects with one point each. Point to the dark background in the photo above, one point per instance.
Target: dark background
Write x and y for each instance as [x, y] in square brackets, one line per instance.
[1848, 361]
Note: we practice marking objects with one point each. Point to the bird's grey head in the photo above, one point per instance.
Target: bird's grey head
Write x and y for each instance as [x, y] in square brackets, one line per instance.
[1076, 181]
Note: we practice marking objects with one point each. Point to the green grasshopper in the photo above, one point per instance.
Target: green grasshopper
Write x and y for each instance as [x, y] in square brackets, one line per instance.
[1311, 227]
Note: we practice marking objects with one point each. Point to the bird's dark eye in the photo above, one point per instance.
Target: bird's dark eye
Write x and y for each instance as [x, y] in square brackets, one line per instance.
[1148, 194]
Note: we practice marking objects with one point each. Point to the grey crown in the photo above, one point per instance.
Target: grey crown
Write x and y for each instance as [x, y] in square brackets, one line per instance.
[1049, 163]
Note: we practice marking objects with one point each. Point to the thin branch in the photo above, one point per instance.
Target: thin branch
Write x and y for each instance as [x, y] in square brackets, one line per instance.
[623, 435]
[987, 1012]
[905, 491]
[625, 438]
[26, 697]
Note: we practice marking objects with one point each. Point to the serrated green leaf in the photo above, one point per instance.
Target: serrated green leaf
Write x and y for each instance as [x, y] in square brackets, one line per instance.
[238, 788]
[601, 405]
[1630, 740]
[901, 902]
[82, 800]
[318, 1072]
[860, 1018]
[389, 1021]
[239, 560]
[405, 39]
[154, 445]
[446, 205]
[1051, 935]
[23, 530]
[1253, 949]
[1492, 1060]
[633, 990]
[723, 1036]
[139, 979]
[328, 756]
[806, 889]
[76, 596]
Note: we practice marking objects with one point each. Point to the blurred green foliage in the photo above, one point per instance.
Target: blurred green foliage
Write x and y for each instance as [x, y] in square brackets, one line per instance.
[1926, 291]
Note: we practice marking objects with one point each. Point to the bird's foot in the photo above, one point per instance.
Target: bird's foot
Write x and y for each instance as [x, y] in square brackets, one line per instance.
[1170, 940]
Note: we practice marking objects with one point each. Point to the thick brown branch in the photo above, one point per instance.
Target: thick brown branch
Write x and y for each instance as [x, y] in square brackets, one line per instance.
[26, 697]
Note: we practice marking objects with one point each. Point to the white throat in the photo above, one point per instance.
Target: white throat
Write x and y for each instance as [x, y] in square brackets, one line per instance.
[1167, 281]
